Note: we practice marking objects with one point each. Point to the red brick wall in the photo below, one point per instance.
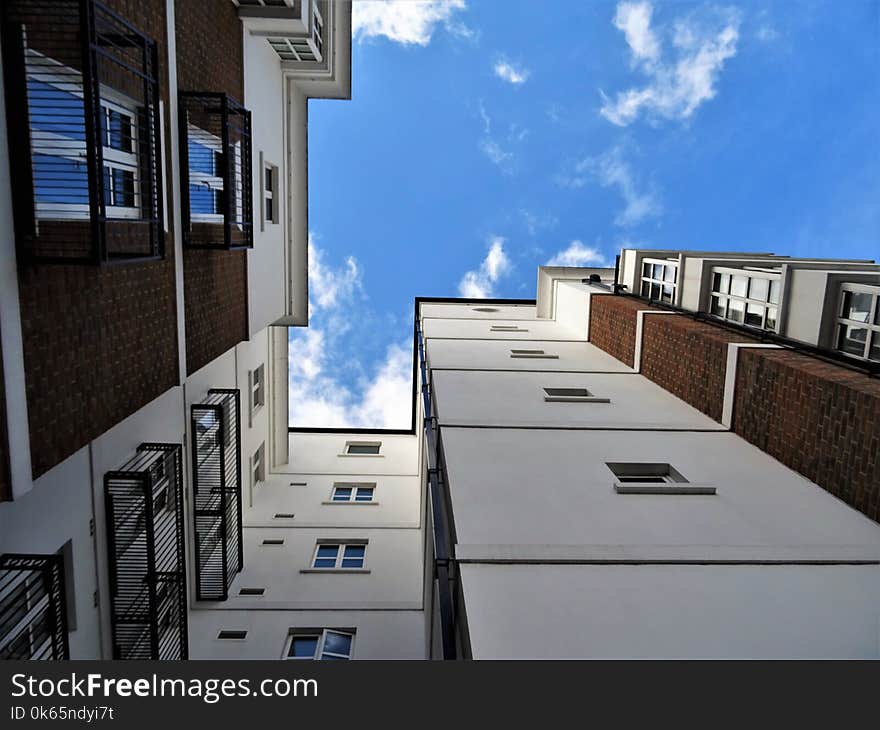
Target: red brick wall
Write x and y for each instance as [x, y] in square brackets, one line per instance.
[820, 419]
[697, 375]
[210, 58]
[613, 325]
[99, 342]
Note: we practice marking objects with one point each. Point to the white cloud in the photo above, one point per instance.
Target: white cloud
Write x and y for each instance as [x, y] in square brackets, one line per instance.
[634, 19]
[317, 394]
[499, 148]
[612, 170]
[479, 284]
[409, 22]
[496, 154]
[328, 286]
[577, 254]
[506, 71]
[702, 42]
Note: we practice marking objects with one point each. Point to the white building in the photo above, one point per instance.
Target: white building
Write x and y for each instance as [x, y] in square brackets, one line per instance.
[596, 492]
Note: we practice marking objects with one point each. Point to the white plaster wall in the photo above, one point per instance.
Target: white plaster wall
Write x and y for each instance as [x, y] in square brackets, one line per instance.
[322, 453]
[378, 634]
[58, 509]
[397, 501]
[496, 355]
[266, 260]
[672, 611]
[539, 329]
[254, 427]
[393, 559]
[550, 494]
[467, 311]
[573, 308]
[517, 399]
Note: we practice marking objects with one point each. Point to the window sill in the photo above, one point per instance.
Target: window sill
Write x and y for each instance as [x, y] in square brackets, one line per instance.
[352, 504]
[574, 399]
[672, 488]
[336, 570]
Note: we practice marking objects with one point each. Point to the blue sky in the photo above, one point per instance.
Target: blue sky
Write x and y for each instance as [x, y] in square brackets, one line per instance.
[484, 139]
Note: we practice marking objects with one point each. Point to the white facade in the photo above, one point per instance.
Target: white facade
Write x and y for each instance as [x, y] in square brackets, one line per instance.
[557, 560]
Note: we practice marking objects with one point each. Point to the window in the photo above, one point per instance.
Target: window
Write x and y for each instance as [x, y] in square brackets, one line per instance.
[258, 389]
[746, 297]
[486, 310]
[273, 541]
[506, 328]
[659, 279]
[216, 197]
[320, 644]
[347, 493]
[339, 556]
[85, 144]
[572, 395]
[858, 322]
[362, 448]
[258, 465]
[537, 354]
[232, 635]
[271, 199]
[652, 478]
[284, 515]
[251, 591]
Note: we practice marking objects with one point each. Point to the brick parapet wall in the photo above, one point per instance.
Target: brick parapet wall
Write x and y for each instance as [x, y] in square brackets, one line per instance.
[613, 325]
[210, 56]
[697, 378]
[818, 418]
[99, 342]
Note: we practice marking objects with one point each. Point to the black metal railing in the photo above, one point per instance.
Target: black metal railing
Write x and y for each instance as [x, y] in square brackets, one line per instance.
[445, 567]
[216, 482]
[33, 618]
[145, 544]
[82, 102]
[215, 168]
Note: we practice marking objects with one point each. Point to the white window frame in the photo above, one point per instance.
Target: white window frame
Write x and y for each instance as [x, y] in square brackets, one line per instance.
[354, 487]
[586, 397]
[258, 465]
[653, 478]
[531, 354]
[348, 444]
[321, 635]
[340, 555]
[266, 194]
[257, 383]
[872, 324]
[648, 283]
[65, 79]
[716, 298]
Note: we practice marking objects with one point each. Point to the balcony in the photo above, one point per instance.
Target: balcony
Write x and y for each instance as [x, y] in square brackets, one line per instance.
[83, 117]
[33, 619]
[215, 168]
[216, 460]
[145, 545]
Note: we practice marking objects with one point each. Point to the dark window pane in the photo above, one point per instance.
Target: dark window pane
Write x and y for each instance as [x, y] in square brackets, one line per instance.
[754, 315]
[719, 306]
[303, 647]
[735, 310]
[337, 643]
[770, 324]
[342, 494]
[857, 306]
[327, 551]
[852, 340]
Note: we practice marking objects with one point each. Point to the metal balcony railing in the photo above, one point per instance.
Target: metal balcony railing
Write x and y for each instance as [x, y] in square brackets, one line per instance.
[216, 481]
[215, 167]
[33, 618]
[145, 544]
[82, 104]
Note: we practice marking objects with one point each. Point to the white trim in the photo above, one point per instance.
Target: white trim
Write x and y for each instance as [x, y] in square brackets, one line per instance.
[640, 330]
[733, 349]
